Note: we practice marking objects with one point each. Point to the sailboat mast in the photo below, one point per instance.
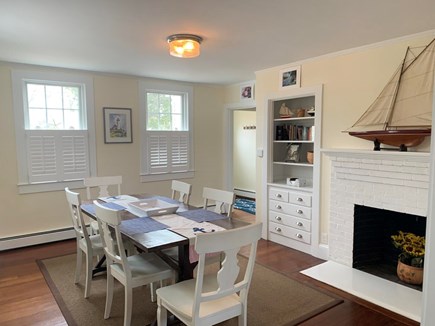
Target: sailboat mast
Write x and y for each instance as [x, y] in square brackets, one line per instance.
[390, 110]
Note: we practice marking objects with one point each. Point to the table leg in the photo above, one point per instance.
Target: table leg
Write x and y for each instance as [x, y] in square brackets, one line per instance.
[99, 267]
[186, 268]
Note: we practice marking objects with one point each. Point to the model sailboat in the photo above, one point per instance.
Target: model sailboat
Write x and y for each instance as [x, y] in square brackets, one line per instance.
[401, 116]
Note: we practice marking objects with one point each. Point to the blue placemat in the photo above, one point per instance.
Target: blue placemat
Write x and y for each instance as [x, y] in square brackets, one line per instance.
[202, 215]
[90, 208]
[141, 225]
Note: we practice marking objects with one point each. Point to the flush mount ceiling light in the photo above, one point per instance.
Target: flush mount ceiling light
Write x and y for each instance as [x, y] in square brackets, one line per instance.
[184, 45]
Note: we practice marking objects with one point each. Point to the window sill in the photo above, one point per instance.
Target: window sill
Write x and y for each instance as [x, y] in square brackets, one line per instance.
[166, 176]
[48, 186]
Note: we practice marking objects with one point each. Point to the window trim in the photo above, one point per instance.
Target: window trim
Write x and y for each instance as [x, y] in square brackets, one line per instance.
[19, 78]
[171, 88]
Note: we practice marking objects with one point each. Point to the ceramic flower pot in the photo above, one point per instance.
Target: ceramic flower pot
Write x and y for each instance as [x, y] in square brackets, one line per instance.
[409, 274]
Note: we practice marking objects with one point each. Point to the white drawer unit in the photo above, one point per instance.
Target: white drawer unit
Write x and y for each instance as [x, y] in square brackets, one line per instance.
[290, 218]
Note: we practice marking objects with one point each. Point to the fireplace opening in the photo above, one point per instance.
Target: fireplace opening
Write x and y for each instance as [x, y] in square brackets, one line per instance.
[373, 251]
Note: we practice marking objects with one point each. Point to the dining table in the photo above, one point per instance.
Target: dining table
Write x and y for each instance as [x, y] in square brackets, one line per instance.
[155, 233]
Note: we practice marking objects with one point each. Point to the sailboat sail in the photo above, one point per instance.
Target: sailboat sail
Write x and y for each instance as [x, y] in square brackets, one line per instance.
[404, 104]
[375, 118]
[413, 106]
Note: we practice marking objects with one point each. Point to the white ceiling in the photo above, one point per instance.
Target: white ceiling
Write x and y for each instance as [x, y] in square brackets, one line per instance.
[240, 36]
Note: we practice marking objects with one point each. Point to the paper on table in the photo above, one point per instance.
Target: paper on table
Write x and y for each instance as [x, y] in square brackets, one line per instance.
[193, 228]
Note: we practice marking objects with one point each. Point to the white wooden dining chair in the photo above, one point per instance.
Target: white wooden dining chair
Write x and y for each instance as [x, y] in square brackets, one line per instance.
[224, 200]
[91, 246]
[102, 186]
[213, 297]
[132, 271]
[182, 190]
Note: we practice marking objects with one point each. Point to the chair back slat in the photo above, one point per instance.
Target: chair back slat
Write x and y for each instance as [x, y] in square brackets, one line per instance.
[183, 189]
[224, 200]
[103, 184]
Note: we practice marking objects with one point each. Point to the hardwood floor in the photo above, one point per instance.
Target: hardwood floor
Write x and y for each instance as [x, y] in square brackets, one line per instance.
[25, 298]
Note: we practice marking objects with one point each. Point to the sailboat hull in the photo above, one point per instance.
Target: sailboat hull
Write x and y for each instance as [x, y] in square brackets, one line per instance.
[408, 138]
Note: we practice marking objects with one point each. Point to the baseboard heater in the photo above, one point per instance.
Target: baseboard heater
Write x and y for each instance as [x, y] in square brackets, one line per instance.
[244, 193]
[32, 239]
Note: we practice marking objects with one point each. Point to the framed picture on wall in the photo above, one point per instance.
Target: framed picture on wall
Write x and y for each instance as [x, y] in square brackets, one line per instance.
[117, 126]
[290, 77]
[247, 91]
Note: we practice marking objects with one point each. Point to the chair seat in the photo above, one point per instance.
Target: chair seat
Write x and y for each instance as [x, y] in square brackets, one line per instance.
[97, 244]
[144, 265]
[180, 297]
[94, 226]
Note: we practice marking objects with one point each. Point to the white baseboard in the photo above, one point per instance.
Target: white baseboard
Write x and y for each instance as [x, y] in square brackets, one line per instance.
[36, 238]
[322, 252]
[244, 193]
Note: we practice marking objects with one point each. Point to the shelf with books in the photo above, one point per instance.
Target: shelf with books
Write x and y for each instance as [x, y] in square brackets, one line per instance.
[294, 123]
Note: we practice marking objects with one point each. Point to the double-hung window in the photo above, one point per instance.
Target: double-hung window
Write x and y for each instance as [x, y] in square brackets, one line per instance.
[166, 131]
[53, 119]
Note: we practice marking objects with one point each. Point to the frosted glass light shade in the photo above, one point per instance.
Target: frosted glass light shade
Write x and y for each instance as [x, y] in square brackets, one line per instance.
[184, 45]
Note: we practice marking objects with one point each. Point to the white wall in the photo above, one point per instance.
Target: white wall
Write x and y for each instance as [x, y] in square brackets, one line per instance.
[40, 212]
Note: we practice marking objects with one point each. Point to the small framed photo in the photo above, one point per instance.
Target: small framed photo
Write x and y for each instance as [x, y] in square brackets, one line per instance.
[290, 77]
[247, 91]
[117, 126]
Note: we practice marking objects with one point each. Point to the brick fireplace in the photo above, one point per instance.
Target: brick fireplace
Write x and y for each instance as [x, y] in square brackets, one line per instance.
[393, 181]
[386, 180]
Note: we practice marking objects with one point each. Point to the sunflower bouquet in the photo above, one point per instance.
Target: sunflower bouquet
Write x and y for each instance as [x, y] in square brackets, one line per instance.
[411, 247]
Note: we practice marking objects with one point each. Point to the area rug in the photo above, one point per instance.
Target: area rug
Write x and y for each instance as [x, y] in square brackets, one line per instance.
[246, 205]
[274, 299]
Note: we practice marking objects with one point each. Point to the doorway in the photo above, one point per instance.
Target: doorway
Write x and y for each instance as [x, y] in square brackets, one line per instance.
[241, 150]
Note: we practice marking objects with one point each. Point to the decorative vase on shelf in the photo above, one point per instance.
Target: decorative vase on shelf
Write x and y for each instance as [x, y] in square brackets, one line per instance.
[310, 157]
[409, 274]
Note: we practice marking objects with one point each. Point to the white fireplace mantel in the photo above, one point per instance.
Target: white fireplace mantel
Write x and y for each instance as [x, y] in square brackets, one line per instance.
[384, 154]
[397, 181]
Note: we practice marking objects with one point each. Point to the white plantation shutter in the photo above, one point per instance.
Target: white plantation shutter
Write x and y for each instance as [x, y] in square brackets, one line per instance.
[180, 151]
[41, 149]
[75, 156]
[158, 152]
[55, 155]
[168, 151]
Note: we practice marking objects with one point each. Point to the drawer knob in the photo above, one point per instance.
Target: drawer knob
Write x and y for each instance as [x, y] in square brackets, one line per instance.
[278, 229]
[299, 199]
[278, 196]
[278, 218]
[278, 207]
[300, 224]
[300, 211]
[299, 236]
